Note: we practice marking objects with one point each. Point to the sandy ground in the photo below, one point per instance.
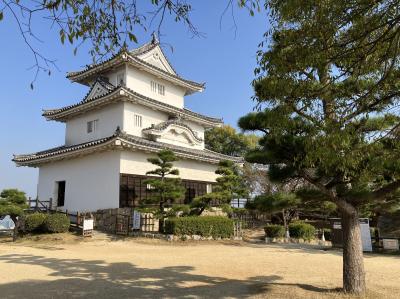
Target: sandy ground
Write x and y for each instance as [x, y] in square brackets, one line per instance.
[66, 267]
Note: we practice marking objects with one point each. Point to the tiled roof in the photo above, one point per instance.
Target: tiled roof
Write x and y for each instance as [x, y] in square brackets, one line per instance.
[59, 113]
[131, 56]
[126, 141]
[175, 121]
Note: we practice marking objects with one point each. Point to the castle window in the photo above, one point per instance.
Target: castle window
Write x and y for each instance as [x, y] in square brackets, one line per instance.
[157, 88]
[138, 121]
[208, 188]
[91, 126]
[120, 79]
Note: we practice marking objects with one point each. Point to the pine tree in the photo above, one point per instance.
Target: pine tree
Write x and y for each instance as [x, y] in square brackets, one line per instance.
[165, 189]
[327, 93]
[230, 185]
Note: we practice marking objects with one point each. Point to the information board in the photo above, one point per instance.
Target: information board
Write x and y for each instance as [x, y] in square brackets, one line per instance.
[365, 235]
[136, 220]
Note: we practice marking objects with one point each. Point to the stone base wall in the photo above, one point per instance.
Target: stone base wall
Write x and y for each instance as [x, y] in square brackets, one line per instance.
[106, 220]
[111, 220]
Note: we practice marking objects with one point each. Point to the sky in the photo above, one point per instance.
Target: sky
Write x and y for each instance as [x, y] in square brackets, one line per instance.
[224, 58]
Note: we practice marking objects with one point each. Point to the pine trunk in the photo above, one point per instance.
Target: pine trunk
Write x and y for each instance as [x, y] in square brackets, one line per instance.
[353, 263]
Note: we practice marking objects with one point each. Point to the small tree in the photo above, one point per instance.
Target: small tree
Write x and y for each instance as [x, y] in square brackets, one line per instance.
[13, 203]
[165, 189]
[283, 204]
[230, 185]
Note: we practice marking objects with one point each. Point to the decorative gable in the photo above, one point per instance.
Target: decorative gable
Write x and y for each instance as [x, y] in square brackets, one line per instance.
[98, 89]
[156, 57]
[174, 131]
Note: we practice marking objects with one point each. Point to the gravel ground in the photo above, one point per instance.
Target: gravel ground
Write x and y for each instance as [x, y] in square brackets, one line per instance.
[63, 266]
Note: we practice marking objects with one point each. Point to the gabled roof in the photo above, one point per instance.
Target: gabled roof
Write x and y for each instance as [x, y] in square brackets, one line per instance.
[136, 58]
[123, 93]
[99, 88]
[117, 141]
[158, 129]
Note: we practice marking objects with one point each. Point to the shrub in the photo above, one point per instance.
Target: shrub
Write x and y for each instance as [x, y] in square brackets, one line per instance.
[57, 223]
[35, 222]
[301, 230]
[274, 231]
[206, 226]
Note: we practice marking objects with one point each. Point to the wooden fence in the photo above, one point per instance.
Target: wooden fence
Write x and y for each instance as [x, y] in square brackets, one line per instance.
[37, 205]
[252, 219]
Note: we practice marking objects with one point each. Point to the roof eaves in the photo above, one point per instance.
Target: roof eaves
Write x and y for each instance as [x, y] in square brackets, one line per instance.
[130, 141]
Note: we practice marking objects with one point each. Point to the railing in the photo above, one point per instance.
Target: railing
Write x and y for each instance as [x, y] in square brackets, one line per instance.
[37, 205]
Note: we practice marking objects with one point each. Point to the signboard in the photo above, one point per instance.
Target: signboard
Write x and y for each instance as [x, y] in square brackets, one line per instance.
[390, 244]
[365, 235]
[337, 234]
[87, 227]
[136, 220]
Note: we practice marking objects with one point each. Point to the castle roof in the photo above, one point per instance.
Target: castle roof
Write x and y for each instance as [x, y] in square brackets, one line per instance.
[119, 140]
[121, 93]
[135, 58]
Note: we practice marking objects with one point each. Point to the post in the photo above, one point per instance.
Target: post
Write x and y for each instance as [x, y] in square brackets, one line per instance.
[37, 203]
[29, 202]
[50, 203]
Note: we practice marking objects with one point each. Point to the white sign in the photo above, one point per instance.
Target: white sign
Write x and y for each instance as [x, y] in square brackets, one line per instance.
[365, 235]
[390, 244]
[88, 224]
[136, 220]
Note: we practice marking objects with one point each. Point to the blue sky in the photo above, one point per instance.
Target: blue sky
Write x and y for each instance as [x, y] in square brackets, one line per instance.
[221, 59]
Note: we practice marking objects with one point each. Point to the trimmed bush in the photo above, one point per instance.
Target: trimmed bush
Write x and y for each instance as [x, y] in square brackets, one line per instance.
[274, 231]
[57, 223]
[35, 222]
[301, 230]
[205, 226]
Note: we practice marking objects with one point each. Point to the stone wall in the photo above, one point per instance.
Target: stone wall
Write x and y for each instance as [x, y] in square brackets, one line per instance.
[109, 220]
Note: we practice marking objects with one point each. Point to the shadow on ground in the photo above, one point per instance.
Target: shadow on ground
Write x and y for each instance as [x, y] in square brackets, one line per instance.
[98, 279]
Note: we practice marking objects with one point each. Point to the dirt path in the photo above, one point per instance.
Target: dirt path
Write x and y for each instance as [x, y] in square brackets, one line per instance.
[135, 268]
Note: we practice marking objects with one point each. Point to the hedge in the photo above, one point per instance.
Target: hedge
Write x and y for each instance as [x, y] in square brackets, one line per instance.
[274, 231]
[35, 222]
[301, 230]
[57, 223]
[205, 226]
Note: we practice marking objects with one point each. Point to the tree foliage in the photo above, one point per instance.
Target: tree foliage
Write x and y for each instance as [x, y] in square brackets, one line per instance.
[164, 189]
[12, 202]
[230, 185]
[107, 25]
[226, 140]
[327, 90]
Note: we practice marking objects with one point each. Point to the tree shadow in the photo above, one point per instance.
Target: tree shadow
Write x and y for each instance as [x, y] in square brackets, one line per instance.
[97, 279]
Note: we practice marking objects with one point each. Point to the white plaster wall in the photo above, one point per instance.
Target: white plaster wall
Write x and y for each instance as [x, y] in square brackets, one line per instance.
[109, 118]
[92, 182]
[149, 117]
[139, 81]
[136, 163]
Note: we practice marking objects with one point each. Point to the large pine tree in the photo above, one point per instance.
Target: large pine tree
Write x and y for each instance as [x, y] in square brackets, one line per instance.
[327, 91]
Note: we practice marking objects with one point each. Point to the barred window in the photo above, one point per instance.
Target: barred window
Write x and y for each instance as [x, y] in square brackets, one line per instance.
[91, 126]
[157, 88]
[138, 121]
